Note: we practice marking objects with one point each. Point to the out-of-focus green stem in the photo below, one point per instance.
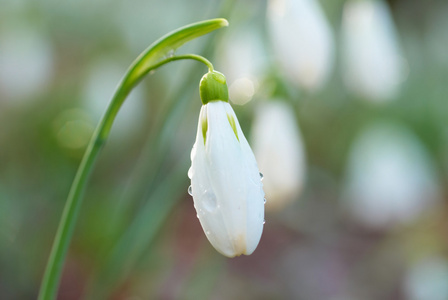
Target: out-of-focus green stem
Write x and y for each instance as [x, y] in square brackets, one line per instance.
[159, 53]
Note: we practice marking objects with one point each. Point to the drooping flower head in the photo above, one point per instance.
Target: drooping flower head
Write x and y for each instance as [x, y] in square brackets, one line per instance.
[225, 180]
[391, 179]
[372, 62]
[302, 41]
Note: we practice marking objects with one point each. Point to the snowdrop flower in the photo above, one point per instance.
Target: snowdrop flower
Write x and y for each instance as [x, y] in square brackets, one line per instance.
[302, 41]
[278, 148]
[390, 178]
[373, 66]
[225, 181]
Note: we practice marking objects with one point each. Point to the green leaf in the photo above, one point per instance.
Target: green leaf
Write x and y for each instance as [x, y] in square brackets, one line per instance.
[166, 45]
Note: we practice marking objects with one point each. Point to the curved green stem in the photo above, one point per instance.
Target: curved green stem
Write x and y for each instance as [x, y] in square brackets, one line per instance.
[124, 89]
[186, 56]
[158, 54]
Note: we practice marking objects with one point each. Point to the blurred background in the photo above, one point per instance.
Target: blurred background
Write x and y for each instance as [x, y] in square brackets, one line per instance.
[345, 104]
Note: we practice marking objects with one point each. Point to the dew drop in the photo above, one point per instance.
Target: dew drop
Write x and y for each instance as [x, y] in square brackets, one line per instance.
[197, 216]
[264, 200]
[190, 172]
[209, 201]
[207, 232]
[190, 190]
[261, 176]
[264, 221]
[170, 54]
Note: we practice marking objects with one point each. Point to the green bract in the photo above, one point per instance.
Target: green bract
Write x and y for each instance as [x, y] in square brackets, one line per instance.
[213, 87]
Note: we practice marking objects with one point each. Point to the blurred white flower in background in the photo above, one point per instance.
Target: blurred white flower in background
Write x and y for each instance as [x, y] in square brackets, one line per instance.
[373, 64]
[427, 279]
[26, 64]
[390, 177]
[302, 41]
[101, 82]
[242, 58]
[279, 150]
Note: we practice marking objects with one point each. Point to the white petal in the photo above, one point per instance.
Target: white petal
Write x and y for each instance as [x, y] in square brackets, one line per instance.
[227, 190]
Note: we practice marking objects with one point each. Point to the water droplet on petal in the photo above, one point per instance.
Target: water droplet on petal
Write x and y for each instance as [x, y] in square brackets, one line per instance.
[264, 221]
[209, 201]
[197, 216]
[261, 176]
[264, 200]
[190, 190]
[207, 232]
[190, 172]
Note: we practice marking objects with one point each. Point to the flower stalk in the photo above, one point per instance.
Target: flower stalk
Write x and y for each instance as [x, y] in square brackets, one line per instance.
[155, 56]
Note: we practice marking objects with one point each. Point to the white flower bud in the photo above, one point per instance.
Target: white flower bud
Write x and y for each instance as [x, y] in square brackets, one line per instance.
[302, 40]
[390, 178]
[278, 148]
[225, 181]
[373, 66]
